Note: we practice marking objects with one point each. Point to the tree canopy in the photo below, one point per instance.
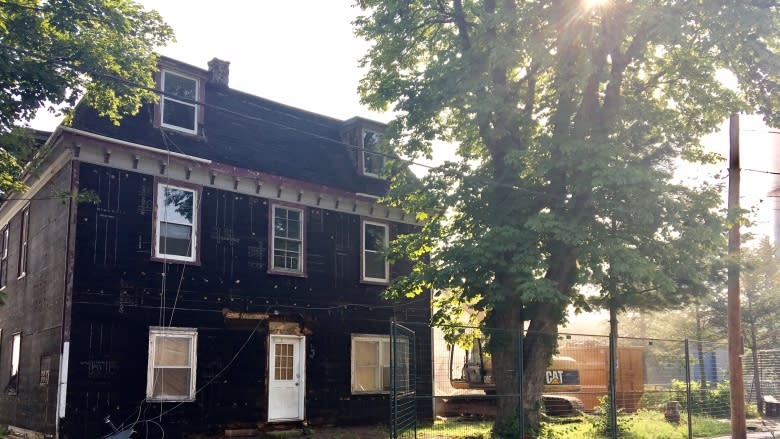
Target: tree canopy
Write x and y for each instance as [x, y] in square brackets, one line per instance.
[567, 118]
[54, 52]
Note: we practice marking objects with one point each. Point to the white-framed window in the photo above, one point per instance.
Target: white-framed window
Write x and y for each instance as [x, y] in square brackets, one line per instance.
[370, 363]
[287, 239]
[16, 355]
[172, 364]
[373, 160]
[24, 233]
[4, 241]
[374, 265]
[176, 223]
[177, 109]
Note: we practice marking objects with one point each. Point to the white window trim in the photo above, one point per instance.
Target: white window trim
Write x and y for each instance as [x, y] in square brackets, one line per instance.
[24, 243]
[158, 219]
[163, 98]
[16, 351]
[353, 362]
[363, 251]
[364, 151]
[5, 240]
[156, 332]
[301, 261]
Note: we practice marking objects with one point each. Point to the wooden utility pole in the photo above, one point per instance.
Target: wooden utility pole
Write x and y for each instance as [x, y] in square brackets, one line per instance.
[738, 428]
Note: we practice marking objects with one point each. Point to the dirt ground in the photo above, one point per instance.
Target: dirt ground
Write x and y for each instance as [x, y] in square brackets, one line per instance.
[320, 432]
[374, 432]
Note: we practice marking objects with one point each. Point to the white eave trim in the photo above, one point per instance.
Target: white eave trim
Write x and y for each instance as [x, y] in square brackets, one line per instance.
[135, 145]
[95, 149]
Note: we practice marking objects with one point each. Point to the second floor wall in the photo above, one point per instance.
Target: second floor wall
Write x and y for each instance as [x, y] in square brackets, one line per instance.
[211, 241]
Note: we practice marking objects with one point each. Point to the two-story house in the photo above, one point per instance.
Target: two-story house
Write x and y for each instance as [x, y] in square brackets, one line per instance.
[231, 274]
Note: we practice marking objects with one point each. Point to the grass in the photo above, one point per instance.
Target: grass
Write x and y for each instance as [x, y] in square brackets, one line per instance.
[456, 429]
[644, 424]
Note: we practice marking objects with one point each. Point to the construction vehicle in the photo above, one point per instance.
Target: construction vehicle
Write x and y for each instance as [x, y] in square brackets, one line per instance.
[562, 378]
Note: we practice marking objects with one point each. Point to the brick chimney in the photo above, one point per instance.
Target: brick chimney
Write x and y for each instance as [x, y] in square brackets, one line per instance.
[219, 72]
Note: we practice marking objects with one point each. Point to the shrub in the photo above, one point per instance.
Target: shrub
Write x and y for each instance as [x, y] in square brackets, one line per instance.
[715, 402]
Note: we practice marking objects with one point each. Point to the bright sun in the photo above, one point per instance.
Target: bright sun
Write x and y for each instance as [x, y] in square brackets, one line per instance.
[590, 4]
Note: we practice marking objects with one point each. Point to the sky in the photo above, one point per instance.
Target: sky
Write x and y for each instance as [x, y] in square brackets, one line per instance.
[305, 54]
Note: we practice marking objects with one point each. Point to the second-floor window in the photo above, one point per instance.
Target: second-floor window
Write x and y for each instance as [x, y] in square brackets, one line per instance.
[374, 261]
[287, 240]
[4, 239]
[178, 110]
[176, 230]
[24, 233]
[373, 160]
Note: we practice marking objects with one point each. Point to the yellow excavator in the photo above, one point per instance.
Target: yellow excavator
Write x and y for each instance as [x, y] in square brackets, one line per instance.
[561, 378]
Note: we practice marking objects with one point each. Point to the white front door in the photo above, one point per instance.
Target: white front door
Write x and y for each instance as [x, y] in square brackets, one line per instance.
[286, 377]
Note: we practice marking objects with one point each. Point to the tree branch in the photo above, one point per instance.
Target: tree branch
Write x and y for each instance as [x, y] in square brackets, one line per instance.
[460, 21]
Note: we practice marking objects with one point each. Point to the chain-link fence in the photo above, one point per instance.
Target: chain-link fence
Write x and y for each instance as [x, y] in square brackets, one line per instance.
[654, 388]
[762, 381]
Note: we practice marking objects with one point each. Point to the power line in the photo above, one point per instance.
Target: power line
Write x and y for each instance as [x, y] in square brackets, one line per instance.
[132, 84]
[160, 92]
[163, 93]
[761, 171]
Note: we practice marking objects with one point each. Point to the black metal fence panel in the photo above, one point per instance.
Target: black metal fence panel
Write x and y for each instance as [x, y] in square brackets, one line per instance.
[403, 378]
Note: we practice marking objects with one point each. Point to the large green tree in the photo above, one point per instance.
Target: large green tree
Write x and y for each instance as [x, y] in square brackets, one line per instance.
[56, 51]
[568, 117]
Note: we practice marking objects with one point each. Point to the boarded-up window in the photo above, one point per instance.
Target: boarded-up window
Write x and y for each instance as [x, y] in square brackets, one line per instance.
[172, 364]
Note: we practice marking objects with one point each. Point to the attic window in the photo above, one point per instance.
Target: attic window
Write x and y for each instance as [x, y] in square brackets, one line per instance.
[177, 105]
[373, 161]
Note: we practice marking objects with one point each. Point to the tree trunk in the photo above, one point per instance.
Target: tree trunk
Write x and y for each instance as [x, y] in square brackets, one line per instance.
[504, 345]
[538, 348]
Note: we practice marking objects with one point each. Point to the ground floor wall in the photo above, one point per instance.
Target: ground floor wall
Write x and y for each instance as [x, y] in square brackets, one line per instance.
[110, 348]
[31, 401]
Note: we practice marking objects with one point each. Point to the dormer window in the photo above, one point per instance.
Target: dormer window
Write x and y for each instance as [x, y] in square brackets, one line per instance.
[373, 160]
[179, 112]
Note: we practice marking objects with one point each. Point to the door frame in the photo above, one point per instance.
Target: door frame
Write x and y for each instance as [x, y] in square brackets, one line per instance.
[301, 342]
